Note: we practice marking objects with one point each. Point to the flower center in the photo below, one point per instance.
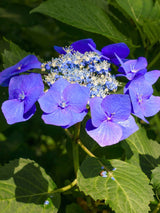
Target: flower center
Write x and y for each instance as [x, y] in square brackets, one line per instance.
[140, 99]
[63, 104]
[86, 69]
[21, 96]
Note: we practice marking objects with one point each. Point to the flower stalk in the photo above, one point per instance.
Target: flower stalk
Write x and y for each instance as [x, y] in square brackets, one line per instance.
[75, 147]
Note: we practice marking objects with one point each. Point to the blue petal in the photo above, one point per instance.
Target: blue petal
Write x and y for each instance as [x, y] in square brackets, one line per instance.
[97, 113]
[52, 98]
[128, 126]
[76, 96]
[121, 49]
[151, 106]
[60, 117]
[31, 85]
[152, 76]
[13, 111]
[117, 105]
[60, 50]
[132, 67]
[60, 85]
[27, 63]
[106, 134]
[141, 63]
[82, 45]
[76, 117]
[30, 112]
[49, 101]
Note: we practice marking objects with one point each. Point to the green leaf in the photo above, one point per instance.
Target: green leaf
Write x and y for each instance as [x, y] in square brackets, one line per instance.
[146, 14]
[130, 192]
[141, 151]
[24, 187]
[155, 180]
[13, 56]
[85, 14]
[138, 10]
[151, 25]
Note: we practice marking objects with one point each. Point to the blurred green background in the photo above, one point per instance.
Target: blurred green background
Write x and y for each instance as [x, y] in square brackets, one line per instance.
[37, 33]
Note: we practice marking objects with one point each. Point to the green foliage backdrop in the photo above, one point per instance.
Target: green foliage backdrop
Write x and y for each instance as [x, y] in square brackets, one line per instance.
[36, 159]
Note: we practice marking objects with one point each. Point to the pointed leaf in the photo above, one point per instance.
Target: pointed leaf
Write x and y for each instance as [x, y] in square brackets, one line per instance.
[24, 187]
[13, 55]
[85, 14]
[129, 192]
[138, 10]
[141, 151]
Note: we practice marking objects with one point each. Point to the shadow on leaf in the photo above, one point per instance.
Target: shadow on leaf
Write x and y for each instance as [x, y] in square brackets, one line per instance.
[30, 185]
[148, 163]
[91, 167]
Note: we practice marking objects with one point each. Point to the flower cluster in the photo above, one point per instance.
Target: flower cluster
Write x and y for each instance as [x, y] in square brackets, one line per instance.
[80, 80]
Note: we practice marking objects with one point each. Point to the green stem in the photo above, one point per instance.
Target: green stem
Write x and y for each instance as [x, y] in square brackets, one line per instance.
[85, 149]
[157, 208]
[91, 154]
[79, 142]
[65, 188]
[75, 147]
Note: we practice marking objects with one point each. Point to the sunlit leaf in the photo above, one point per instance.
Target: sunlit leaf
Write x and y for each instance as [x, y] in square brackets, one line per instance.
[128, 192]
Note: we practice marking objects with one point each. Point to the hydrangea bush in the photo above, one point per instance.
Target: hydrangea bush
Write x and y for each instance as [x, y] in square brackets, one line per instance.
[81, 86]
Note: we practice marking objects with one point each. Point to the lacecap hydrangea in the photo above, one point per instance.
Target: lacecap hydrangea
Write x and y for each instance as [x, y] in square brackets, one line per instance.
[80, 80]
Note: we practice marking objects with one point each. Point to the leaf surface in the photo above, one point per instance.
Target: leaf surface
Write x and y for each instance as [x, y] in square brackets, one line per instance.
[129, 192]
[87, 15]
[25, 187]
[141, 151]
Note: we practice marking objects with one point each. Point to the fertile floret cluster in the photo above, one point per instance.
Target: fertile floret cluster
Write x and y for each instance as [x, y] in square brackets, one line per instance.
[88, 69]
[80, 80]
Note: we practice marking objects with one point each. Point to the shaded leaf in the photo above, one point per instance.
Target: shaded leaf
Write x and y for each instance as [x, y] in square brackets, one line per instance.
[85, 14]
[141, 151]
[74, 208]
[155, 180]
[13, 56]
[138, 10]
[145, 13]
[152, 25]
[129, 192]
[24, 187]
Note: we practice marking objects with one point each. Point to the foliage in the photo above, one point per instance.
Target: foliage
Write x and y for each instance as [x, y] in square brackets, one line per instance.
[38, 172]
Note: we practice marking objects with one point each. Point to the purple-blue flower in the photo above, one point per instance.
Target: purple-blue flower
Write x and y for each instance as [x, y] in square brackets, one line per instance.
[113, 50]
[27, 63]
[24, 91]
[131, 68]
[84, 45]
[64, 104]
[144, 104]
[110, 120]
[108, 52]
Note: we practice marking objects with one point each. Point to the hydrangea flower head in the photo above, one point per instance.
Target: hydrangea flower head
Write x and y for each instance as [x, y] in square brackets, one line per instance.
[24, 91]
[64, 104]
[27, 63]
[110, 120]
[80, 64]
